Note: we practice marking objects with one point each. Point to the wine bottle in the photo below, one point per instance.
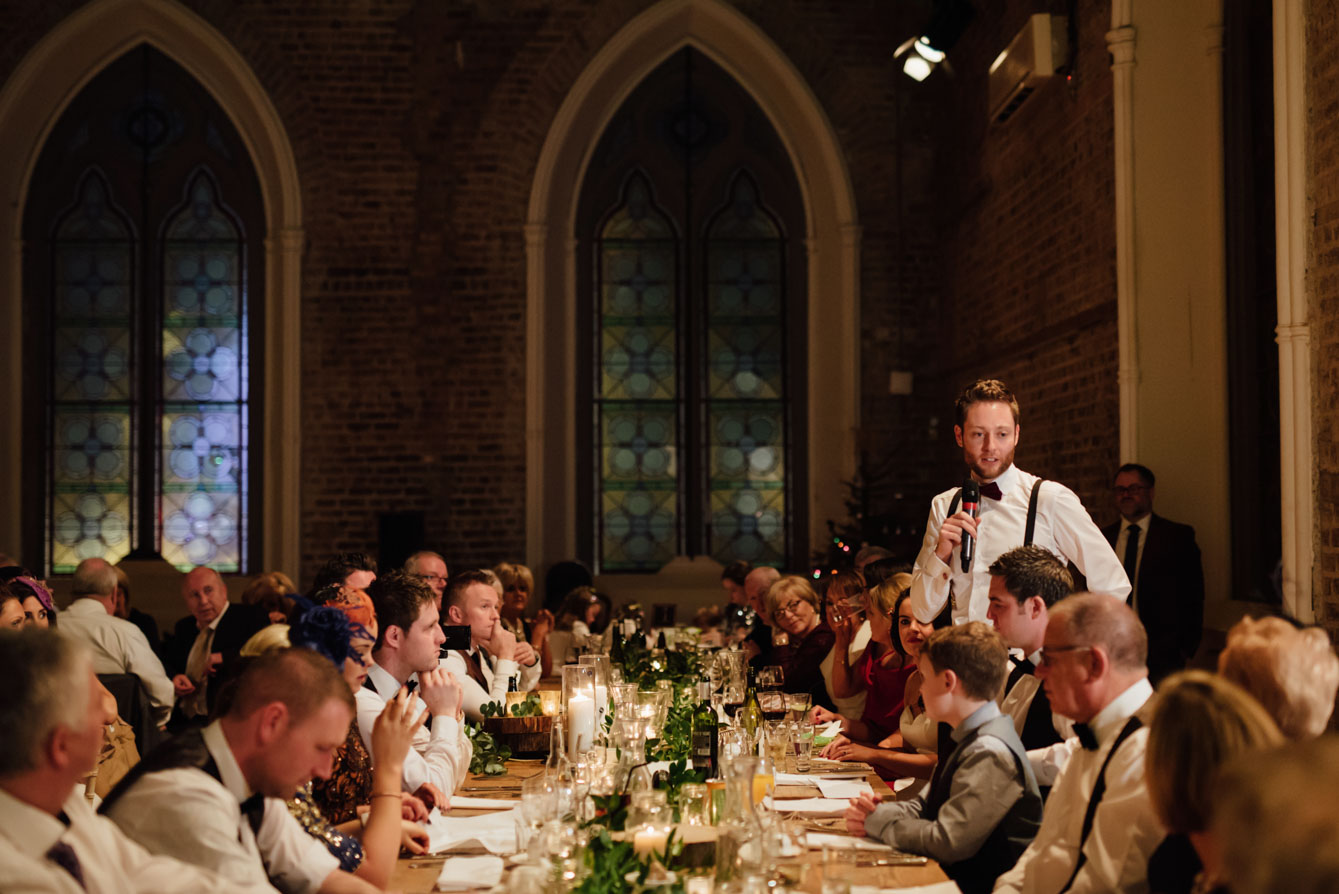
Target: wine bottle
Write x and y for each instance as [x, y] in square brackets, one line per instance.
[706, 735]
[750, 716]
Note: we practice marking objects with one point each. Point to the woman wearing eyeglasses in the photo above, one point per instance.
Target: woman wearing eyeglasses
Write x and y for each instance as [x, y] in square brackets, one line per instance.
[794, 608]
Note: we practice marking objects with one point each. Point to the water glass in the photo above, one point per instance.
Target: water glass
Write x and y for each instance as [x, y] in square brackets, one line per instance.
[839, 868]
[804, 750]
[798, 704]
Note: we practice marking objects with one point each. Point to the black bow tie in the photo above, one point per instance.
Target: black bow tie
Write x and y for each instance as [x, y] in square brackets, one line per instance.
[991, 491]
[410, 686]
[1087, 738]
[1027, 666]
[253, 808]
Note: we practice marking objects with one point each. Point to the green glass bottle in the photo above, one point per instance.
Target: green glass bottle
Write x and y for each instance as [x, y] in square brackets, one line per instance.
[750, 716]
[706, 734]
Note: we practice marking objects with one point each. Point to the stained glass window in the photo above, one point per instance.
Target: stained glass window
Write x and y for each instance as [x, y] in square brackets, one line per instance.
[204, 385]
[91, 381]
[143, 212]
[746, 389]
[637, 400]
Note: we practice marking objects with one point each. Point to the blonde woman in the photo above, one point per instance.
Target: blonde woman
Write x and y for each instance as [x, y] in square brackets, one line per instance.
[1291, 670]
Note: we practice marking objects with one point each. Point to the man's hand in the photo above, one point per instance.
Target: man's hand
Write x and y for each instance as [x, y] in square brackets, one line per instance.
[183, 685]
[860, 808]
[215, 662]
[393, 731]
[526, 654]
[439, 691]
[432, 796]
[950, 534]
[503, 644]
[412, 809]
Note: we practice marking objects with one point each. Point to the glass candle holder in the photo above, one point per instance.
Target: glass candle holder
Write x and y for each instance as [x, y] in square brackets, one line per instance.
[601, 665]
[579, 708]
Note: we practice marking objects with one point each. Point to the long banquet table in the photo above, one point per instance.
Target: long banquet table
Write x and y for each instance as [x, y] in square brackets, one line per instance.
[418, 875]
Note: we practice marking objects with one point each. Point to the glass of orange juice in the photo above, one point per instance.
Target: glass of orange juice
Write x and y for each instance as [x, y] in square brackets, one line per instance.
[764, 780]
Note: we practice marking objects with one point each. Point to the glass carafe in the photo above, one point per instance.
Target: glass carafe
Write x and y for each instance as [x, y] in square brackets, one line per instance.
[739, 844]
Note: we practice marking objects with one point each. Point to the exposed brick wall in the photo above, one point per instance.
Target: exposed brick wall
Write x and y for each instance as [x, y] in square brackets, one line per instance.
[417, 127]
[1322, 89]
[1029, 247]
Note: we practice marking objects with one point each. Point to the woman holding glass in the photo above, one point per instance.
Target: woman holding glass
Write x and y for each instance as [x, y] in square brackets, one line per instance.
[910, 750]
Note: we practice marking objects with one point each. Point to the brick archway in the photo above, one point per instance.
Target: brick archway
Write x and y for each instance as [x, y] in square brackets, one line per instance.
[832, 237]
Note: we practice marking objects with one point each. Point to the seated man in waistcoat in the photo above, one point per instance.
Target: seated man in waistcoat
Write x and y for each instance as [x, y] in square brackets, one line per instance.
[983, 807]
[1025, 583]
[215, 797]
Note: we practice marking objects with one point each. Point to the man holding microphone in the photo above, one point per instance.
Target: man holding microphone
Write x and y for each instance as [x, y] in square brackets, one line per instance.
[1015, 509]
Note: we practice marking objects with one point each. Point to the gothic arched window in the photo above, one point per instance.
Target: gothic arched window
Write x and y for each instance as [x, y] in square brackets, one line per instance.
[142, 231]
[691, 273]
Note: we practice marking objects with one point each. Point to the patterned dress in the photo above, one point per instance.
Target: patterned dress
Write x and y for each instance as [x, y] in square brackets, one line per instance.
[350, 782]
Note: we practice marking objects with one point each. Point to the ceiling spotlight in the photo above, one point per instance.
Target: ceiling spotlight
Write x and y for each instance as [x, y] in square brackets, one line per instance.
[923, 53]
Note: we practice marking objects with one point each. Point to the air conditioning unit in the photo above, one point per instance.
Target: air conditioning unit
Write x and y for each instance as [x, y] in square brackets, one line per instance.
[1032, 57]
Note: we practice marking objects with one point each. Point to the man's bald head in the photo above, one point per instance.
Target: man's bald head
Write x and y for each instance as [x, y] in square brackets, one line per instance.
[204, 594]
[93, 577]
[1096, 619]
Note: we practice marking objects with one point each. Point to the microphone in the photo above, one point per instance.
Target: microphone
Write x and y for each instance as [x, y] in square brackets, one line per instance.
[971, 504]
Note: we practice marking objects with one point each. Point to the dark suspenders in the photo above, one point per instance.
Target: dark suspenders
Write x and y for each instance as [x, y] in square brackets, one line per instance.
[1031, 510]
[1099, 790]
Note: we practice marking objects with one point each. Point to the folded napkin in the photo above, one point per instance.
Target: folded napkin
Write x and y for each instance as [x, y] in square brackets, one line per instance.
[948, 887]
[795, 779]
[468, 873]
[840, 788]
[494, 832]
[817, 840]
[465, 801]
[900, 784]
[814, 806]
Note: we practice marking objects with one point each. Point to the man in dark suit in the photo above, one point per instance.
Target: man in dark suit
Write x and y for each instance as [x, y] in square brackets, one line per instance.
[203, 647]
[1163, 563]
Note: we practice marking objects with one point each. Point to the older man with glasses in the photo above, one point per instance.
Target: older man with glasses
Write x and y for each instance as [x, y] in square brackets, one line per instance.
[1099, 827]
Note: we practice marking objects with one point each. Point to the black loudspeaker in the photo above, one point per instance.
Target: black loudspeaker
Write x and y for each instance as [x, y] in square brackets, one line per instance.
[399, 536]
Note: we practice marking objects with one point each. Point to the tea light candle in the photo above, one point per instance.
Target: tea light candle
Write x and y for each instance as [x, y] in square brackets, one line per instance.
[648, 841]
[580, 724]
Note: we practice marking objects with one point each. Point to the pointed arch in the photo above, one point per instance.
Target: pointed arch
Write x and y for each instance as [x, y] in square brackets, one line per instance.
[832, 237]
[33, 99]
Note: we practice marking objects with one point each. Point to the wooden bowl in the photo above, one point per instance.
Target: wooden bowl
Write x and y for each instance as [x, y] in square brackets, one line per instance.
[523, 735]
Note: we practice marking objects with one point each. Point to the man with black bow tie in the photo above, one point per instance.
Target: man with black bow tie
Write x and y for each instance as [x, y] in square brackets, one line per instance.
[408, 640]
[216, 797]
[1016, 509]
[1024, 583]
[1099, 827]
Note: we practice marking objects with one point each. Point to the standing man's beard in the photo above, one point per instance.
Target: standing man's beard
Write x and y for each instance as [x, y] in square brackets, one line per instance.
[1006, 462]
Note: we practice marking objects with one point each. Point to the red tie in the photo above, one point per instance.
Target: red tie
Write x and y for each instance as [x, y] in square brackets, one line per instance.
[992, 491]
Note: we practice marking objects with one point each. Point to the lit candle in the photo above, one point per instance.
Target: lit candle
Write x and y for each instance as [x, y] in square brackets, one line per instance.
[648, 841]
[580, 724]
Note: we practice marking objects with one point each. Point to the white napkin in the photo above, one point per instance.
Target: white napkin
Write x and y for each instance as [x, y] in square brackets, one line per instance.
[814, 806]
[494, 832]
[795, 779]
[900, 784]
[831, 729]
[816, 841]
[949, 887]
[468, 873]
[843, 788]
[466, 801]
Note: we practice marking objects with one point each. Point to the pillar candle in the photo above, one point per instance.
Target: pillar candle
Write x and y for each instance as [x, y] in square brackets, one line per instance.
[647, 841]
[580, 724]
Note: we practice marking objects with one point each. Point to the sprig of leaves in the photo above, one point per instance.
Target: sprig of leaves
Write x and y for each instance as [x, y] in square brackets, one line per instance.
[490, 757]
[531, 707]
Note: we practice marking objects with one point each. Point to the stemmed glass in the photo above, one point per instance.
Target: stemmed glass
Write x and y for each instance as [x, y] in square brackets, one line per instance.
[538, 803]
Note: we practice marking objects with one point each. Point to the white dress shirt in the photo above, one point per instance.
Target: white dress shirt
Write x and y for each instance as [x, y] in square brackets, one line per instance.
[1063, 527]
[440, 755]
[119, 647]
[187, 814]
[1018, 701]
[1125, 830]
[110, 862]
[1122, 539]
[498, 674]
